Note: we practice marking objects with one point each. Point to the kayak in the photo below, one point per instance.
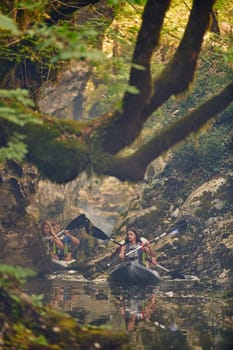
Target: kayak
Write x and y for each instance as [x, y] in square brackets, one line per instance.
[133, 273]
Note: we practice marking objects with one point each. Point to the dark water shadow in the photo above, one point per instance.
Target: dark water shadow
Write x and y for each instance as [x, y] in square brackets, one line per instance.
[172, 315]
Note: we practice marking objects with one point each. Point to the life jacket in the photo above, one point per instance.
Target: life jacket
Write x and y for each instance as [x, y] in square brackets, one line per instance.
[56, 250]
[139, 255]
[67, 244]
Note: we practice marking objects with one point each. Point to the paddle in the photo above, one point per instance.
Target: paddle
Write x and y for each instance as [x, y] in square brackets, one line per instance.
[92, 271]
[173, 231]
[77, 222]
[98, 233]
[173, 274]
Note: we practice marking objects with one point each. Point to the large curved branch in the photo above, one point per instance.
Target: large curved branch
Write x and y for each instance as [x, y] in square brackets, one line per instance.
[175, 78]
[179, 73]
[132, 168]
[62, 149]
[123, 127]
[59, 148]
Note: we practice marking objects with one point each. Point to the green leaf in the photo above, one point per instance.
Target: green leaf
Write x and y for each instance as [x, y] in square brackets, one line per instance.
[132, 89]
[20, 95]
[7, 23]
[15, 149]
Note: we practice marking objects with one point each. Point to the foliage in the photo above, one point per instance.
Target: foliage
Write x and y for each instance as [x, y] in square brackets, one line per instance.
[66, 42]
[40, 43]
[13, 104]
[109, 77]
[7, 24]
[17, 275]
[16, 149]
[206, 152]
[131, 2]
[26, 324]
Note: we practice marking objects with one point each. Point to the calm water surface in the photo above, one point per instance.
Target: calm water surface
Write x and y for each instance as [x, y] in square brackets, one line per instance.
[175, 314]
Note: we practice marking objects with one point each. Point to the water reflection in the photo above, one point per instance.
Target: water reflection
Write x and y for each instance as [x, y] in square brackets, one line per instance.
[172, 315]
[135, 305]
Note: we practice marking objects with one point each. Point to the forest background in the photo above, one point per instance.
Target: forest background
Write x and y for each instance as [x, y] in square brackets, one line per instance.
[47, 44]
[127, 89]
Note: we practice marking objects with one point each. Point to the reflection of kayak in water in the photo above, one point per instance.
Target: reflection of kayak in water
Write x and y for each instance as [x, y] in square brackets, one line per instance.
[133, 273]
[63, 263]
[135, 303]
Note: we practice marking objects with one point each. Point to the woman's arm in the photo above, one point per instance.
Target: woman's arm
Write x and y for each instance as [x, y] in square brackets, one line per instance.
[58, 242]
[147, 249]
[122, 251]
[73, 239]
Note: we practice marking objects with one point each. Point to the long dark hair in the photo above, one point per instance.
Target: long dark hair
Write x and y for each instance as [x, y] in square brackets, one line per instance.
[133, 229]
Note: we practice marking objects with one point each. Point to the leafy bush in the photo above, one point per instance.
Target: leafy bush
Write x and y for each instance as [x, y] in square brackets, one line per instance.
[207, 153]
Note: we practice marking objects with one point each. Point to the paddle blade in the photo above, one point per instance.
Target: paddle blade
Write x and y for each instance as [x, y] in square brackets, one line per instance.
[95, 231]
[78, 222]
[174, 232]
[177, 275]
[179, 227]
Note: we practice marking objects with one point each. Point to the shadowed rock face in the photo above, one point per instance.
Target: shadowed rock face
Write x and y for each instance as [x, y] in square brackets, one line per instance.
[20, 243]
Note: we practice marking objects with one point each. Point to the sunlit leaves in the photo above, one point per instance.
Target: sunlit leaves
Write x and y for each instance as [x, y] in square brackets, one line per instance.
[15, 149]
[9, 273]
[31, 5]
[228, 57]
[131, 2]
[13, 104]
[67, 43]
[7, 24]
[132, 89]
[18, 94]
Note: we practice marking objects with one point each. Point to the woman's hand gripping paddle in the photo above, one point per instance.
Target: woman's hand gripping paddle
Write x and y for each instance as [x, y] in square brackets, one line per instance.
[177, 229]
[77, 222]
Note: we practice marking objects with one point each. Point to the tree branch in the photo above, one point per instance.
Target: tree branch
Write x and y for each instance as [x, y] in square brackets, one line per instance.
[132, 168]
[175, 78]
[179, 73]
[62, 149]
[123, 127]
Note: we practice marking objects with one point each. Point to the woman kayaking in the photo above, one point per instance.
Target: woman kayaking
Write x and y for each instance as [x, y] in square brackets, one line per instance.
[134, 270]
[132, 241]
[59, 247]
[55, 245]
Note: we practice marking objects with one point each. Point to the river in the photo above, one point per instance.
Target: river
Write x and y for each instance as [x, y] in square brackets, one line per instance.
[175, 314]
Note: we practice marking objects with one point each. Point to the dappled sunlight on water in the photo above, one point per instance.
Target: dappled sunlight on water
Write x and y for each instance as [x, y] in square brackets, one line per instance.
[172, 315]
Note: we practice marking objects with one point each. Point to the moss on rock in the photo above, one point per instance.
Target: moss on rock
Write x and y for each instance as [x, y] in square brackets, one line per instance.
[27, 324]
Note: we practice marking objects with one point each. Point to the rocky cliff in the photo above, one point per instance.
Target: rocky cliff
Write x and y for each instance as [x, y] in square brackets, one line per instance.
[21, 243]
[205, 248]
